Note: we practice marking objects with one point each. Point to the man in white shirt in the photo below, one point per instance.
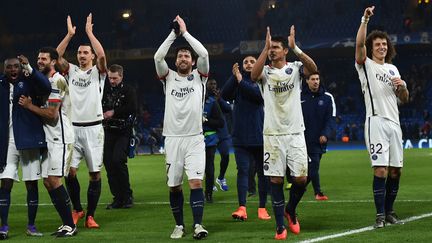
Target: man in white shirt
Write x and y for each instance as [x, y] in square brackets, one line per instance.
[86, 84]
[284, 142]
[382, 87]
[184, 142]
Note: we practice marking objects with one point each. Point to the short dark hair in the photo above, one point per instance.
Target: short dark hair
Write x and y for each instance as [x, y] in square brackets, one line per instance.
[91, 47]
[186, 48]
[51, 51]
[115, 68]
[281, 40]
[391, 52]
[313, 73]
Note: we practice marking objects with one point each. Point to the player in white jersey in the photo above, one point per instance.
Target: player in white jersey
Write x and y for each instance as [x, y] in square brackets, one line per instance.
[86, 83]
[184, 142]
[284, 142]
[382, 87]
[59, 137]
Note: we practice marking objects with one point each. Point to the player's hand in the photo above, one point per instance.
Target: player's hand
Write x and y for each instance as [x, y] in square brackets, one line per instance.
[23, 60]
[369, 12]
[89, 24]
[398, 82]
[216, 93]
[182, 24]
[268, 39]
[71, 29]
[236, 72]
[108, 114]
[25, 101]
[323, 139]
[291, 38]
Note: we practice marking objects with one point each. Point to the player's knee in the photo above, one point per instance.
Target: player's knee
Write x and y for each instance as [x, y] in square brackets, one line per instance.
[301, 180]
[276, 180]
[380, 171]
[176, 188]
[6, 184]
[72, 172]
[94, 176]
[395, 173]
[195, 183]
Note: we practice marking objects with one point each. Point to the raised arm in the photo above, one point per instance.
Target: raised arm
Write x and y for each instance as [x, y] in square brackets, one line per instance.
[62, 64]
[259, 65]
[308, 64]
[101, 61]
[203, 65]
[159, 57]
[360, 48]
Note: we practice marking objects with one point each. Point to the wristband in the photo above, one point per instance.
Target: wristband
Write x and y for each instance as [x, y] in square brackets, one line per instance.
[297, 50]
[365, 20]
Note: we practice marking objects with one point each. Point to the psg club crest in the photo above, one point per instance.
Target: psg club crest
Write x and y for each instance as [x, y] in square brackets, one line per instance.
[374, 157]
[190, 77]
[320, 102]
[21, 85]
[391, 72]
[288, 71]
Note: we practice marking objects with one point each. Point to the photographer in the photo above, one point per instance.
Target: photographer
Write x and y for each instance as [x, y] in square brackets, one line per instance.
[119, 107]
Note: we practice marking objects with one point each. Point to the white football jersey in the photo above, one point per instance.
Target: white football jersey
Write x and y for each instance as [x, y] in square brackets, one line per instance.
[281, 89]
[379, 92]
[86, 90]
[62, 131]
[184, 102]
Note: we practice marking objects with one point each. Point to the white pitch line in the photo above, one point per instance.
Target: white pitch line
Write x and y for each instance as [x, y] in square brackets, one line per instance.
[356, 231]
[250, 201]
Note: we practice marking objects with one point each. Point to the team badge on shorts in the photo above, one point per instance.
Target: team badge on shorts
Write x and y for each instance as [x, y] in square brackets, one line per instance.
[190, 77]
[391, 72]
[288, 70]
[374, 157]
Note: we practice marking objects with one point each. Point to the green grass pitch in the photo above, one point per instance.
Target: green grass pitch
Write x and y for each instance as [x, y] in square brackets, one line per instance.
[346, 177]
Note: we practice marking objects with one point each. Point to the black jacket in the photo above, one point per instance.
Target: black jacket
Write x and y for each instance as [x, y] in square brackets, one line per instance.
[121, 99]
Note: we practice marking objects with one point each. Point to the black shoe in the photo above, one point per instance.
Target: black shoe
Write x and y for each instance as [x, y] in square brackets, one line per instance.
[209, 197]
[379, 222]
[115, 205]
[392, 218]
[128, 203]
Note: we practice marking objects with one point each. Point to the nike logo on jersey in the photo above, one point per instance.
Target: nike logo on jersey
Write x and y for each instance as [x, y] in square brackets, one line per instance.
[303, 101]
[177, 79]
[53, 168]
[199, 173]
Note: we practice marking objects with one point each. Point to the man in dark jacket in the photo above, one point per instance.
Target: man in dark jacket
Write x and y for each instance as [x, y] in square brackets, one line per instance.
[248, 119]
[224, 144]
[119, 107]
[22, 136]
[319, 114]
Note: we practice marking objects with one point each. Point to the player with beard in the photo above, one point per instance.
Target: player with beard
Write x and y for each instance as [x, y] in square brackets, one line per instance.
[22, 137]
[183, 125]
[383, 89]
[86, 84]
[284, 141]
[59, 137]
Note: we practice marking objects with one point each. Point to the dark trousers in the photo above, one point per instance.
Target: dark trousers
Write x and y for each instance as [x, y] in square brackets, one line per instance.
[209, 168]
[115, 161]
[244, 157]
[223, 148]
[313, 171]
